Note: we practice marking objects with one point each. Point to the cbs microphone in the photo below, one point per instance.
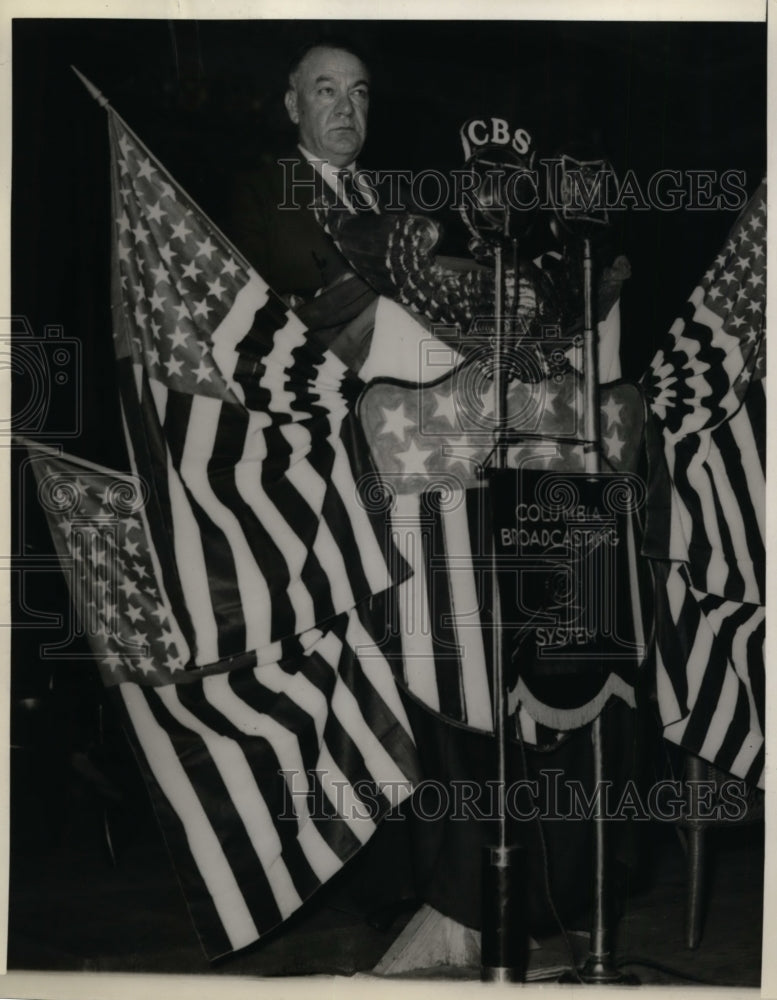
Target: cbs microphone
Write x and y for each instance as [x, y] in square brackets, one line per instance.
[500, 194]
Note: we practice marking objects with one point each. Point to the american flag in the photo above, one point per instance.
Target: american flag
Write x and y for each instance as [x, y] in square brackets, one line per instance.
[241, 425]
[263, 712]
[98, 523]
[706, 521]
[266, 779]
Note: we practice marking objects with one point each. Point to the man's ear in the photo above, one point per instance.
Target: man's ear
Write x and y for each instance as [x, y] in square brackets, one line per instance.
[290, 100]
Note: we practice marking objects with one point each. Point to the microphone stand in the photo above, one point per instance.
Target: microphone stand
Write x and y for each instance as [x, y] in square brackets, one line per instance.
[598, 966]
[504, 949]
[504, 936]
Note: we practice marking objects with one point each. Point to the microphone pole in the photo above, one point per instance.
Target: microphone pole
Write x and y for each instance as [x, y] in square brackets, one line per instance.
[504, 935]
[599, 966]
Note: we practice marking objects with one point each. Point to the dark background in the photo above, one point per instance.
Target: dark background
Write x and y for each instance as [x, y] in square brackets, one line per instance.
[206, 98]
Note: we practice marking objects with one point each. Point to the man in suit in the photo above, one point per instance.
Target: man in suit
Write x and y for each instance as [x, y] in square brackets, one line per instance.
[273, 220]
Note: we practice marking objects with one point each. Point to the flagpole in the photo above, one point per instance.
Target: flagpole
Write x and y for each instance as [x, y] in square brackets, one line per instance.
[103, 101]
[33, 446]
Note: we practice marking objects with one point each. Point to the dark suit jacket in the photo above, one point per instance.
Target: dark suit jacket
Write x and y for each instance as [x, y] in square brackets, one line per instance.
[291, 252]
[286, 245]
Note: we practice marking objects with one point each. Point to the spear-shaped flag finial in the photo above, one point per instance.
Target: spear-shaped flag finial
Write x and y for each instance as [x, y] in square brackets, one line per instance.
[96, 94]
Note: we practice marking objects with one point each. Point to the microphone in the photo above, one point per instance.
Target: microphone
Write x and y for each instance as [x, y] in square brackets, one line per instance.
[500, 197]
[579, 192]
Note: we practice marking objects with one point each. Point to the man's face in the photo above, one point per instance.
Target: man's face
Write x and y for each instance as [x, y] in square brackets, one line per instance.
[329, 104]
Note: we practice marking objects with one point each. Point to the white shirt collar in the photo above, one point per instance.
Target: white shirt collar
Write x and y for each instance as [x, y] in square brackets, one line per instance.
[329, 174]
[325, 168]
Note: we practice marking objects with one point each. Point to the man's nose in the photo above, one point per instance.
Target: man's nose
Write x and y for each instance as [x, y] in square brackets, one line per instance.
[344, 105]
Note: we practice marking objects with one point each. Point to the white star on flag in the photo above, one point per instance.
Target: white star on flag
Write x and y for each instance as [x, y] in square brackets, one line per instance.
[181, 230]
[396, 421]
[613, 411]
[160, 272]
[206, 248]
[145, 169]
[414, 459]
[178, 338]
[203, 371]
[173, 366]
[140, 232]
[446, 407]
[613, 445]
[191, 270]
[156, 212]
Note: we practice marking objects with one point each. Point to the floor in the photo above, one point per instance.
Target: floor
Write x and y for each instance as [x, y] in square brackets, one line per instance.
[73, 909]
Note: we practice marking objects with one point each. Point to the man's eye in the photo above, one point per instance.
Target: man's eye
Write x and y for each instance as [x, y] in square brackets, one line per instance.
[326, 91]
[362, 93]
